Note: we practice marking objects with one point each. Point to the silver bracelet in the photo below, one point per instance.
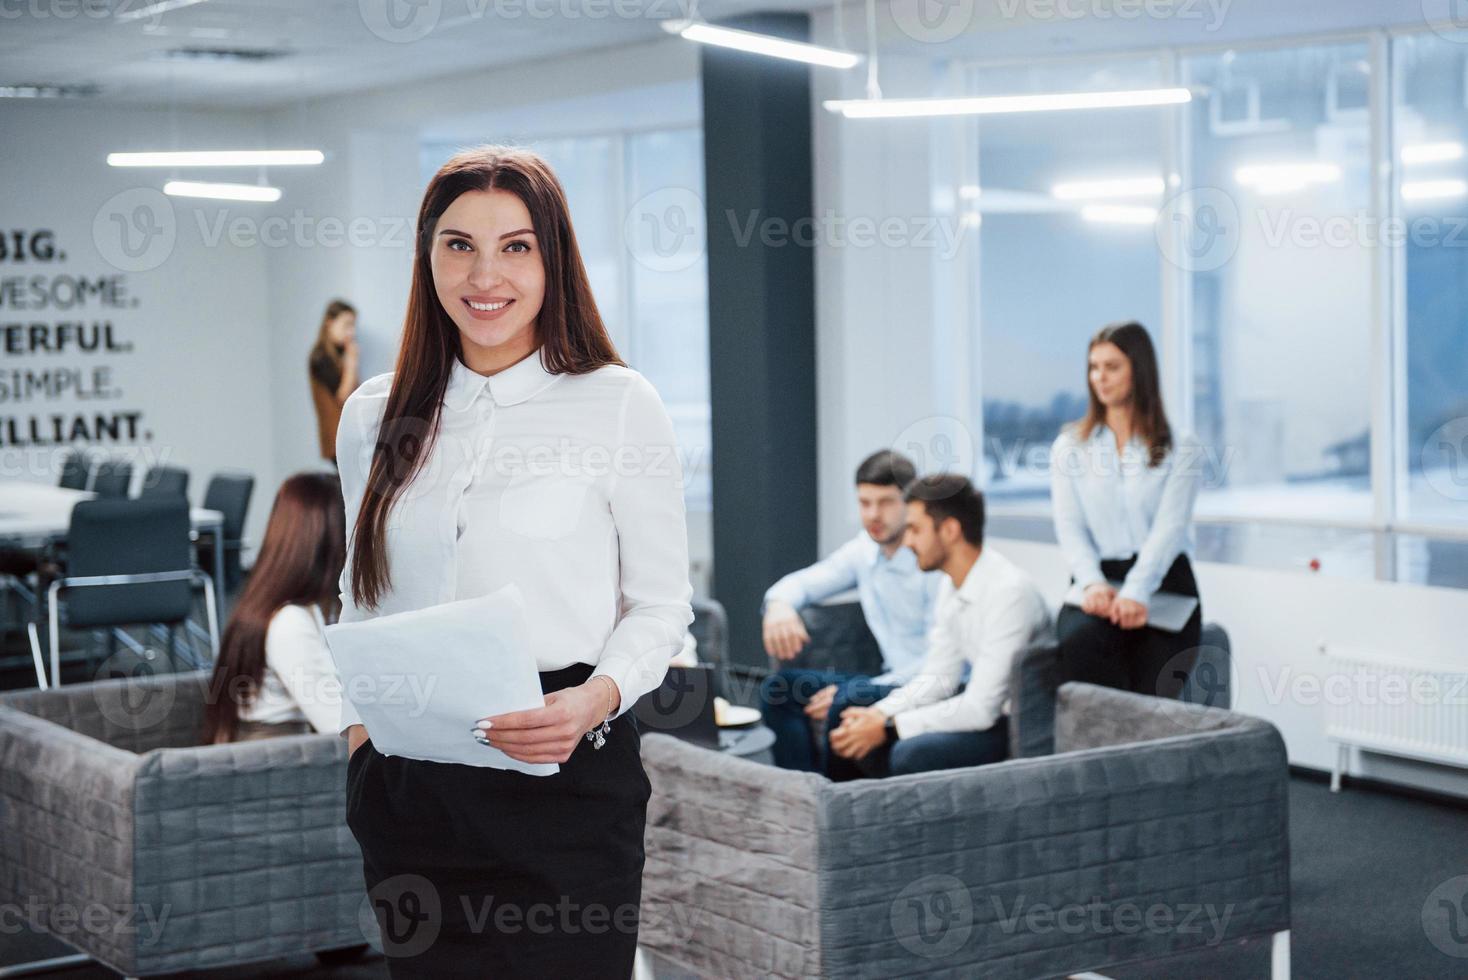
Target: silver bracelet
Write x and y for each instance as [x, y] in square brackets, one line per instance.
[598, 736]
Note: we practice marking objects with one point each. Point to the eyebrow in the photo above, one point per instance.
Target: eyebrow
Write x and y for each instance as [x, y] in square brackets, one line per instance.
[508, 234]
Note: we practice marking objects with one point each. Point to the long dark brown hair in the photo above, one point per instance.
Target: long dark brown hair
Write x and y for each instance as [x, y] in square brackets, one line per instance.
[1149, 418]
[300, 563]
[569, 329]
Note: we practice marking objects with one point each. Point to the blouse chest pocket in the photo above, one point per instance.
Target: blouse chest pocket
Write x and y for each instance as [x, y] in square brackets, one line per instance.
[546, 508]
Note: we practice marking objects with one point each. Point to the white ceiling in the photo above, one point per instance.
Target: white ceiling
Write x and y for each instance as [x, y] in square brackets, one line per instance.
[331, 47]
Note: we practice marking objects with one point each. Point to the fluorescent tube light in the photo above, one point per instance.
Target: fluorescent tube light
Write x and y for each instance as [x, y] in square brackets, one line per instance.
[1088, 190]
[221, 192]
[997, 104]
[1433, 190]
[218, 158]
[1432, 152]
[1118, 214]
[775, 47]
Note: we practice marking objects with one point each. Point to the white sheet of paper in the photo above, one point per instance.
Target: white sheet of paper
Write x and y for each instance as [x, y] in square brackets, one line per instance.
[421, 679]
[1165, 610]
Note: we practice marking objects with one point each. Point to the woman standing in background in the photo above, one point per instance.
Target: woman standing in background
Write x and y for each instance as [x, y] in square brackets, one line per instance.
[333, 367]
[1123, 484]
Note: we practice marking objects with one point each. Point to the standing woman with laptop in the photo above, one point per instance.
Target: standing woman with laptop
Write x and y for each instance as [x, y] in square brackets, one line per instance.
[1123, 486]
[512, 446]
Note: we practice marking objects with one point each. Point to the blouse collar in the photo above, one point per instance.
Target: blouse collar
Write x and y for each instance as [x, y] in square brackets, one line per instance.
[519, 382]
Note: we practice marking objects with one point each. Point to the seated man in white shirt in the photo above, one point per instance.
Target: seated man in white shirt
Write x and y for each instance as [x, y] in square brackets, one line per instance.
[989, 611]
[897, 600]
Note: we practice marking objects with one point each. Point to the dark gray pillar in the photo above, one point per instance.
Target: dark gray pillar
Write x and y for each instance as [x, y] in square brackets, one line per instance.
[761, 289]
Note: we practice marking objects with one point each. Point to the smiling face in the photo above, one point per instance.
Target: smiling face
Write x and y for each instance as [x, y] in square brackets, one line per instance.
[489, 275]
[1110, 373]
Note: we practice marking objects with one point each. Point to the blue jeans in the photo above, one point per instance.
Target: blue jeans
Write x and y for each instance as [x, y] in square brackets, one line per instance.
[925, 753]
[783, 697]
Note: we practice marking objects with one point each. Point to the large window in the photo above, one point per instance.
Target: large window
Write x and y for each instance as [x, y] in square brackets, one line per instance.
[1280, 308]
[1061, 253]
[1296, 239]
[1430, 116]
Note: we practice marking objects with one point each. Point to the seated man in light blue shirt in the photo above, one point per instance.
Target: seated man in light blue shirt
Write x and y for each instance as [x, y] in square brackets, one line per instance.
[897, 599]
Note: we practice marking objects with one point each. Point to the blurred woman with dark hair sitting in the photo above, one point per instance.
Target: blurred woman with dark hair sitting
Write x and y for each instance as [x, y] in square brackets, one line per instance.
[275, 675]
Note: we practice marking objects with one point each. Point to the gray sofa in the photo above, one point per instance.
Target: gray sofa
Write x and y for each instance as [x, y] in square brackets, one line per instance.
[1156, 827]
[187, 856]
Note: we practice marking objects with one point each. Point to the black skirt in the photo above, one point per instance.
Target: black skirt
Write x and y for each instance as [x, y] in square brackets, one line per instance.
[475, 872]
[1147, 660]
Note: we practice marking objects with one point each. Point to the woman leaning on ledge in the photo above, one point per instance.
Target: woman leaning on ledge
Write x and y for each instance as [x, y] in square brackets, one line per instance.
[1122, 488]
[333, 369]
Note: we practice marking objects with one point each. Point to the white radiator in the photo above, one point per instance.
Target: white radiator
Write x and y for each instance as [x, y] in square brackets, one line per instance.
[1393, 705]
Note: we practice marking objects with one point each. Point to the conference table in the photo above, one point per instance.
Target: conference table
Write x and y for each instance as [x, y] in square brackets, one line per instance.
[32, 514]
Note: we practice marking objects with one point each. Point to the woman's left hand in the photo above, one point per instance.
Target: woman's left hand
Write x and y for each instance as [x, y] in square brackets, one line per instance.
[550, 733]
[1129, 614]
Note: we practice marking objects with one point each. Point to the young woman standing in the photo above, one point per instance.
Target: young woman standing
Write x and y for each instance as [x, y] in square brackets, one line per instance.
[511, 445]
[332, 365]
[1123, 486]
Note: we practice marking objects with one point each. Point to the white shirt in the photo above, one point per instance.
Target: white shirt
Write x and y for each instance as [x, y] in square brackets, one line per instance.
[568, 486]
[1111, 505]
[300, 681]
[996, 614]
[897, 598]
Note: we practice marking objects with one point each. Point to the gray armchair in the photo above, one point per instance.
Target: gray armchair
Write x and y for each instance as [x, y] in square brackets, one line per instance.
[1156, 828]
[196, 856]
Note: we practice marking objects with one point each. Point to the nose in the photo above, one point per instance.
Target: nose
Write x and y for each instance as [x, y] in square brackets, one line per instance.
[484, 274]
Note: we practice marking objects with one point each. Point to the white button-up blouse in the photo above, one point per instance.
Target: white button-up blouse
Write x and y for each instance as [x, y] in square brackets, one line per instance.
[568, 486]
[1110, 504]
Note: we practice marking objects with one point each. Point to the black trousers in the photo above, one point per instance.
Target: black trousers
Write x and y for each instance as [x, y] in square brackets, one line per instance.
[476, 872]
[1146, 660]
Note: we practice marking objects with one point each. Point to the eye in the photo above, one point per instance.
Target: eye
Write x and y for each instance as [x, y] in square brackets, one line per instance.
[454, 244]
[524, 246]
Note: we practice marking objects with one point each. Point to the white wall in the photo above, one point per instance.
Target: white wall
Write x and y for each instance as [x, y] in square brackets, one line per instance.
[196, 313]
[1277, 620]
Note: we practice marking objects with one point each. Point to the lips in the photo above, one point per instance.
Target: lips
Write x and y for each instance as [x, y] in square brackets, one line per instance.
[487, 307]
